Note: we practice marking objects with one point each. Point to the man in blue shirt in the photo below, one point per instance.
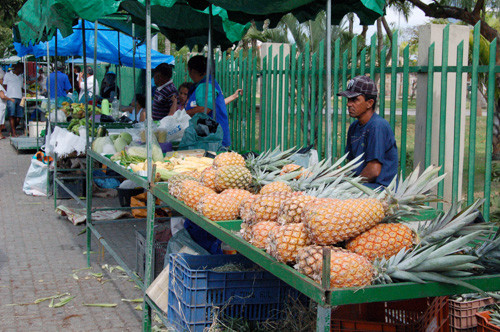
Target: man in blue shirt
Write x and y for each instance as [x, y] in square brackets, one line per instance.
[370, 135]
[63, 84]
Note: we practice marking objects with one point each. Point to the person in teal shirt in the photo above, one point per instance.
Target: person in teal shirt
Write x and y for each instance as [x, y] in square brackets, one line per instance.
[196, 100]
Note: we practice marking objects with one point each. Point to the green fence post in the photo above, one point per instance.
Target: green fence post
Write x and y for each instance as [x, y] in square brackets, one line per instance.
[335, 107]
[307, 98]
[489, 129]
[274, 107]
[263, 108]
[299, 101]
[269, 101]
[458, 120]
[254, 101]
[394, 80]
[293, 103]
[430, 97]
[286, 117]
[362, 62]
[373, 55]
[313, 98]
[442, 110]
[321, 78]
[473, 113]
[280, 99]
[383, 56]
[354, 56]
[343, 119]
[404, 108]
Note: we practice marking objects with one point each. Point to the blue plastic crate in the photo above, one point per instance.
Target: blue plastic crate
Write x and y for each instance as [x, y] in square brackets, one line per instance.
[196, 293]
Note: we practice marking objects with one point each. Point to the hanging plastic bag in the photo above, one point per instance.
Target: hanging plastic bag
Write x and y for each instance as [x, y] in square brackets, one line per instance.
[175, 125]
[35, 182]
[203, 133]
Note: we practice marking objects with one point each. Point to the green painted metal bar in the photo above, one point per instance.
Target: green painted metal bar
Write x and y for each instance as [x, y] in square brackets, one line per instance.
[442, 111]
[335, 107]
[489, 131]
[61, 184]
[394, 80]
[281, 92]
[429, 110]
[362, 61]
[298, 129]
[354, 56]
[404, 109]
[246, 100]
[293, 103]
[321, 79]
[274, 107]
[383, 56]
[373, 55]
[473, 114]
[307, 96]
[269, 101]
[314, 79]
[263, 108]
[343, 119]
[286, 115]
[254, 100]
[457, 123]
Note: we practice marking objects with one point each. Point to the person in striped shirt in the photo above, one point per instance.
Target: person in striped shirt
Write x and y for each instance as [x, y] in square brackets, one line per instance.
[163, 104]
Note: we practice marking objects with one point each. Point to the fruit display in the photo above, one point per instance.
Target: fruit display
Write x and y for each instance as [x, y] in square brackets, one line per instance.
[294, 213]
[77, 110]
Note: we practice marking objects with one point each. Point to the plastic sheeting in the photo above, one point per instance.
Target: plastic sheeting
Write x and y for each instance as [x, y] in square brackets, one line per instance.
[107, 47]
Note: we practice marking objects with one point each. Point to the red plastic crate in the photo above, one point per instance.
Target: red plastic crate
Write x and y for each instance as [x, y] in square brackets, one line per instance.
[463, 314]
[483, 323]
[427, 314]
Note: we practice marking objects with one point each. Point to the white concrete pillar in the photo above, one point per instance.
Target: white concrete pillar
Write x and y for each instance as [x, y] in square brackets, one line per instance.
[428, 34]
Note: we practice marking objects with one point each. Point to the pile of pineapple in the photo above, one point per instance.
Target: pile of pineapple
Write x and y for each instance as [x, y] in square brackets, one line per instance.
[295, 213]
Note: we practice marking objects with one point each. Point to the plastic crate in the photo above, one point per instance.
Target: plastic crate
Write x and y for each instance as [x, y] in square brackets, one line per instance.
[159, 251]
[463, 314]
[427, 314]
[197, 294]
[483, 323]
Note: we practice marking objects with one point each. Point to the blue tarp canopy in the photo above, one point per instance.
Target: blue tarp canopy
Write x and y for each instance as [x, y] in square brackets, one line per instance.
[109, 48]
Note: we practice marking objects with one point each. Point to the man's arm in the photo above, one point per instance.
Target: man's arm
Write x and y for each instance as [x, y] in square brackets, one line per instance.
[197, 109]
[371, 171]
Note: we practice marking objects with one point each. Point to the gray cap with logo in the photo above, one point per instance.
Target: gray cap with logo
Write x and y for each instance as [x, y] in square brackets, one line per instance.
[360, 85]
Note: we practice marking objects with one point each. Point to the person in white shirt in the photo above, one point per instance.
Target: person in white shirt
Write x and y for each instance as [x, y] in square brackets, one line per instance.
[13, 83]
[90, 85]
[3, 104]
[42, 80]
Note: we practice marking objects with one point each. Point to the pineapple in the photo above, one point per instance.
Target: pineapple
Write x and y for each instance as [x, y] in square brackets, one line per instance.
[291, 209]
[246, 213]
[195, 174]
[208, 177]
[382, 241]
[266, 207]
[386, 240]
[290, 168]
[246, 232]
[259, 233]
[441, 262]
[347, 269]
[345, 219]
[216, 208]
[232, 177]
[175, 181]
[239, 195]
[229, 159]
[274, 187]
[286, 240]
[192, 193]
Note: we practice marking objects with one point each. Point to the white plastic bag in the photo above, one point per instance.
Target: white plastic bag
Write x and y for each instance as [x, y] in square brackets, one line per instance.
[61, 116]
[35, 182]
[63, 142]
[175, 125]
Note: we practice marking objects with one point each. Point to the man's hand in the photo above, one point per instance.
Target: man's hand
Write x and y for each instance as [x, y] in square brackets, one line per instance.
[371, 171]
[197, 109]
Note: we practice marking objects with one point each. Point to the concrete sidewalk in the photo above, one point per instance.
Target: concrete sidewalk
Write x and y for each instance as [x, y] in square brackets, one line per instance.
[39, 252]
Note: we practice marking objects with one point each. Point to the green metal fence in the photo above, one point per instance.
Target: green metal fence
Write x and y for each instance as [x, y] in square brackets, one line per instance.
[284, 102]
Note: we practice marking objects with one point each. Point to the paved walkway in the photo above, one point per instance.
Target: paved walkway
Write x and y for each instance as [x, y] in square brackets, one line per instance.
[39, 253]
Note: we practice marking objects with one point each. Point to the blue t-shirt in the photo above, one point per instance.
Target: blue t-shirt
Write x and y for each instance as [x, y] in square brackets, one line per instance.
[197, 98]
[63, 84]
[376, 140]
